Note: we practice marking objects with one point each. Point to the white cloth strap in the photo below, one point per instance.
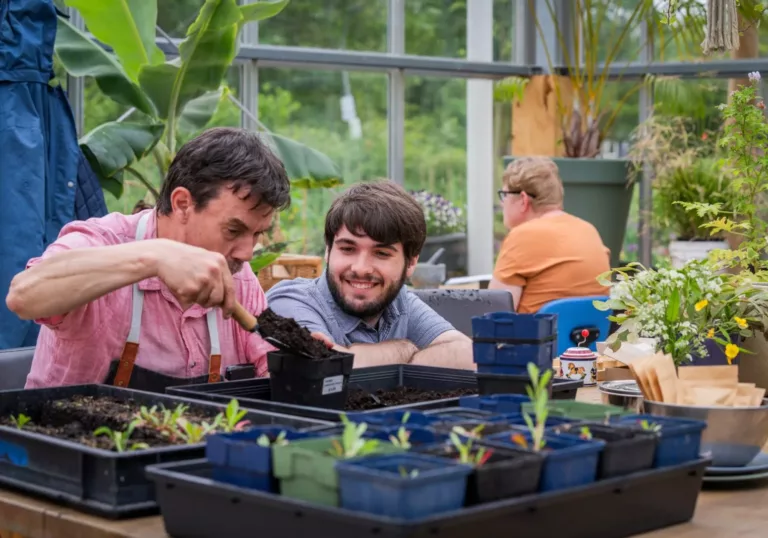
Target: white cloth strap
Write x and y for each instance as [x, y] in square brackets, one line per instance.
[138, 304]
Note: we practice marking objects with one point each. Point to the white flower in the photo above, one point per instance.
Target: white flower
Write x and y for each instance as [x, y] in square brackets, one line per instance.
[754, 76]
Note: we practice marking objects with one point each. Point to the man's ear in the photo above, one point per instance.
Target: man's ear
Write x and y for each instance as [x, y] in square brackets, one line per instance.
[411, 266]
[182, 203]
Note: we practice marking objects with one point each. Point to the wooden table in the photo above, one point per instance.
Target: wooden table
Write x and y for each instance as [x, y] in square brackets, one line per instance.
[721, 513]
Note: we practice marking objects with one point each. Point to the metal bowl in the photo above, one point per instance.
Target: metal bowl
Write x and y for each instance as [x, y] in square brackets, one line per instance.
[734, 435]
[622, 393]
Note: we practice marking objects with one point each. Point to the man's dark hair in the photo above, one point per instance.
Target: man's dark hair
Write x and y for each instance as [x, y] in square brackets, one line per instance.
[384, 211]
[222, 156]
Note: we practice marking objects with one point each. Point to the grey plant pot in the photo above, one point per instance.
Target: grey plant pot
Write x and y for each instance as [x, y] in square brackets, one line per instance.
[455, 255]
[596, 190]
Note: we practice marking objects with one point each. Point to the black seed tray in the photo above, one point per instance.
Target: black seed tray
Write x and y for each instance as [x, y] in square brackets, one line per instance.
[612, 508]
[93, 480]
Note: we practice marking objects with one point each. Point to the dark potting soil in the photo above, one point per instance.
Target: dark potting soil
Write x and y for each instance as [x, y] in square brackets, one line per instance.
[292, 334]
[76, 418]
[359, 400]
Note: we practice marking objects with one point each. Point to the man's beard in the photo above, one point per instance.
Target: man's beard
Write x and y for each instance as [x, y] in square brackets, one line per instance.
[371, 309]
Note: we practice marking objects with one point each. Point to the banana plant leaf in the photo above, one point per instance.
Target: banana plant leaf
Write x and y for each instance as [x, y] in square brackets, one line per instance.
[82, 57]
[205, 55]
[265, 9]
[113, 146]
[266, 256]
[307, 167]
[199, 112]
[127, 27]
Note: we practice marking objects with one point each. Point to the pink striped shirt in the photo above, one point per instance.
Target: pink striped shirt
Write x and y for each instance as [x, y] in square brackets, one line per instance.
[78, 347]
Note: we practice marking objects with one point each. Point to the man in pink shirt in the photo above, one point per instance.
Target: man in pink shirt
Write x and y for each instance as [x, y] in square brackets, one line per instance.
[145, 301]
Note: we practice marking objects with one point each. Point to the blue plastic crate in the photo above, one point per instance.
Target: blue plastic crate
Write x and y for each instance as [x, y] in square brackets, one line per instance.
[391, 418]
[568, 460]
[679, 438]
[515, 356]
[376, 485]
[237, 458]
[495, 403]
[420, 435]
[513, 326]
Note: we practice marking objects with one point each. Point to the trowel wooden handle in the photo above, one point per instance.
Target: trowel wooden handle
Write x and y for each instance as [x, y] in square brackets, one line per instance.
[246, 320]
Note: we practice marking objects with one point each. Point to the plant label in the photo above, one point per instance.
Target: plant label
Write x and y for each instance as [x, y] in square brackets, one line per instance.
[333, 384]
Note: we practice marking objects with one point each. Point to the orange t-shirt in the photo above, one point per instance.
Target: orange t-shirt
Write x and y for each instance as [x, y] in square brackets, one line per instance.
[552, 258]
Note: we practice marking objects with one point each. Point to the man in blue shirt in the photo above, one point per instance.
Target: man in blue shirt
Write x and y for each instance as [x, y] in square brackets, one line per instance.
[374, 233]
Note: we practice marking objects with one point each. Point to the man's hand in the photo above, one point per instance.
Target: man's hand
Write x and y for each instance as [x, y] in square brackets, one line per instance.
[330, 344]
[197, 276]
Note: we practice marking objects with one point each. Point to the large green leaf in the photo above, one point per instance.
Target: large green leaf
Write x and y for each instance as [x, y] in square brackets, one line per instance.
[205, 56]
[112, 147]
[198, 112]
[127, 26]
[262, 10]
[82, 57]
[307, 167]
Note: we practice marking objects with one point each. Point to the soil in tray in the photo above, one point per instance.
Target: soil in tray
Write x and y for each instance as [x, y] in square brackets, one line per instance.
[76, 418]
[290, 333]
[359, 400]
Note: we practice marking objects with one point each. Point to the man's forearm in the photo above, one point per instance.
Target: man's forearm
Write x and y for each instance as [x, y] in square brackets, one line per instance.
[68, 280]
[456, 354]
[383, 353]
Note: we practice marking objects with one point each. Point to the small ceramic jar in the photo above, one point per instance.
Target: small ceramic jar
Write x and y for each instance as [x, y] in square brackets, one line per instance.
[579, 363]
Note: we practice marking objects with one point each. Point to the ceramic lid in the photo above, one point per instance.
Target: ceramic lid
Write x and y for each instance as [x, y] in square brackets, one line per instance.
[578, 354]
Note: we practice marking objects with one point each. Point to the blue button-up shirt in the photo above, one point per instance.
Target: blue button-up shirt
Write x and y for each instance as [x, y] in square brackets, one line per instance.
[310, 303]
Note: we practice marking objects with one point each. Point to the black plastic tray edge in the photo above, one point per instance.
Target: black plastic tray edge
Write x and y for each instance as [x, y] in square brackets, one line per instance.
[166, 472]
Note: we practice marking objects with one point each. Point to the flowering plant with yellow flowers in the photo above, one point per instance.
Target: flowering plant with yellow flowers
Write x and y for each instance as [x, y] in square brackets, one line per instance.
[680, 308]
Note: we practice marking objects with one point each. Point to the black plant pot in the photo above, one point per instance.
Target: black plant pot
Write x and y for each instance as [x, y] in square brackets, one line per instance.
[298, 380]
[626, 451]
[508, 472]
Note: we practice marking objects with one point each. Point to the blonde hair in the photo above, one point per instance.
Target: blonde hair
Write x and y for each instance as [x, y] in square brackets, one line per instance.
[538, 177]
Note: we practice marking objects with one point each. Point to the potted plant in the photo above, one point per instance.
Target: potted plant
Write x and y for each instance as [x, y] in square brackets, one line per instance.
[626, 450]
[586, 106]
[446, 228]
[679, 439]
[403, 486]
[695, 313]
[499, 472]
[686, 169]
[245, 458]
[743, 142]
[569, 461]
[306, 469]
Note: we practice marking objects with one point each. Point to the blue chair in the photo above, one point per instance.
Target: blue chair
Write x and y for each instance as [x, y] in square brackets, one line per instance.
[575, 314]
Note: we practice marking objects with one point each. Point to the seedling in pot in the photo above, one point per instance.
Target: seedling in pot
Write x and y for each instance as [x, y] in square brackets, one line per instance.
[650, 426]
[466, 454]
[164, 421]
[20, 421]
[265, 441]
[352, 442]
[539, 396]
[120, 439]
[403, 435]
[405, 473]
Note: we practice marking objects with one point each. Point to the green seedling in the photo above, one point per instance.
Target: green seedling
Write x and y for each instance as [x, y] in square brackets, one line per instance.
[20, 421]
[352, 442]
[401, 439]
[539, 395]
[650, 426]
[474, 433]
[265, 441]
[232, 421]
[120, 439]
[193, 433]
[163, 420]
[405, 473]
[585, 433]
[466, 455]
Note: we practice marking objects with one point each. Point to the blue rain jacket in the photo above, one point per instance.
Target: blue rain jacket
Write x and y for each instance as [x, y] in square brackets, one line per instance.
[45, 180]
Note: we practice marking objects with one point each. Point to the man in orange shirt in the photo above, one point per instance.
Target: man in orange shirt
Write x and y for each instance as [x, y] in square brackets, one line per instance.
[548, 254]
